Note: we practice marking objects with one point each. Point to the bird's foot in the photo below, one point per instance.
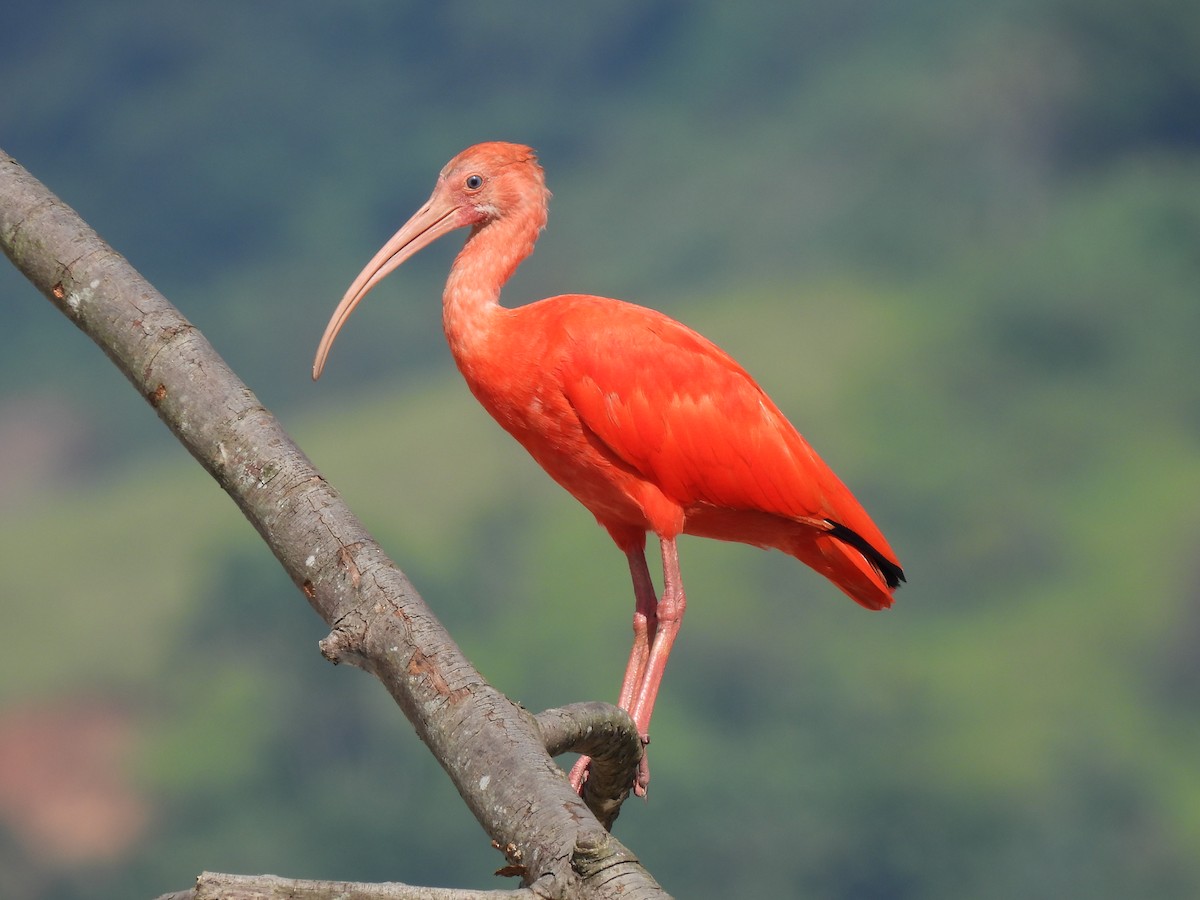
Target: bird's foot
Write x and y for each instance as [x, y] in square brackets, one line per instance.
[582, 768]
[579, 774]
[642, 781]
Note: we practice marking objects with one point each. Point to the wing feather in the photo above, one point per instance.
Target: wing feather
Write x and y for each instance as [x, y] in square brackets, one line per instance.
[683, 413]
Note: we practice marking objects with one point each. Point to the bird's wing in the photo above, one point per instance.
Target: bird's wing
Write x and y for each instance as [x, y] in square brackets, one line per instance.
[682, 412]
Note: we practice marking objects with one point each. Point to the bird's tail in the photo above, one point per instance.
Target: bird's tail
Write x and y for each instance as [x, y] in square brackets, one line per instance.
[863, 572]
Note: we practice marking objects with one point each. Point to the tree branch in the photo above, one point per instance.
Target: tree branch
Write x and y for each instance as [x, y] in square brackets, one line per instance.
[492, 749]
[610, 737]
[216, 886]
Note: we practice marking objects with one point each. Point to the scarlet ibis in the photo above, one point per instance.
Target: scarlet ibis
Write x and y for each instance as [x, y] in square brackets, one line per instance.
[650, 426]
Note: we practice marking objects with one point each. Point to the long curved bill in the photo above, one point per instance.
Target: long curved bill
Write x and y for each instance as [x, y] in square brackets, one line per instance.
[429, 223]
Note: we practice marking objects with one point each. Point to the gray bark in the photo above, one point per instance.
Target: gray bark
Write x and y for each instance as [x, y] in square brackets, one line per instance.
[215, 886]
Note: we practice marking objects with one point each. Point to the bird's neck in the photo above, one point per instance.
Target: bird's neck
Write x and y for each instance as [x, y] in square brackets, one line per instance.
[471, 301]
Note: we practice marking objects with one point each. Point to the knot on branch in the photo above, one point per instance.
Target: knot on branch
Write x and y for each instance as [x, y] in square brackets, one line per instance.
[601, 859]
[345, 644]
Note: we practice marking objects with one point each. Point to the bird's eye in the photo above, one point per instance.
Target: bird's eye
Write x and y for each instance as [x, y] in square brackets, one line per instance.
[474, 182]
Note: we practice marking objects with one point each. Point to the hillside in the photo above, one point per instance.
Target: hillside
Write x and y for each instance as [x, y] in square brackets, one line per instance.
[957, 244]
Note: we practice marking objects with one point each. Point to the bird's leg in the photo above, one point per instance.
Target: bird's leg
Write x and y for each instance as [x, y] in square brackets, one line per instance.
[645, 626]
[669, 617]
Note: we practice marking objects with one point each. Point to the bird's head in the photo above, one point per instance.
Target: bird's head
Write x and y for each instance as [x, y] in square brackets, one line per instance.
[492, 181]
[485, 183]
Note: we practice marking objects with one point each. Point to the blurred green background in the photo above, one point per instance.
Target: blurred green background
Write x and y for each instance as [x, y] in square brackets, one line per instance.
[959, 244]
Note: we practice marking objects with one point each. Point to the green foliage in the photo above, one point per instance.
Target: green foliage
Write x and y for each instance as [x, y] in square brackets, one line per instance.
[957, 242]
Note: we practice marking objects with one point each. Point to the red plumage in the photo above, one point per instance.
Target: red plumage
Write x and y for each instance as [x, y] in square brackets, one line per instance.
[648, 424]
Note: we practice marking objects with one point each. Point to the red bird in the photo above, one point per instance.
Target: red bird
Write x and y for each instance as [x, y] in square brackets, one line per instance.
[649, 425]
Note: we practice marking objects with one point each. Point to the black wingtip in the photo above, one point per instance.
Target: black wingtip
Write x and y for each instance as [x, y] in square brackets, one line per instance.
[892, 574]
